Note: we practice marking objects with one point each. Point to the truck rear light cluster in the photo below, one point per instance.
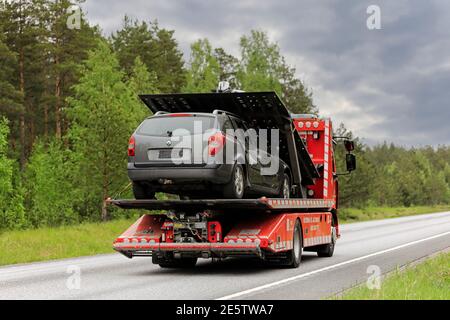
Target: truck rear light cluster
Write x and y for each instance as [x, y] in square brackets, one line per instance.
[308, 124]
[214, 231]
[262, 242]
[135, 240]
[216, 143]
[132, 147]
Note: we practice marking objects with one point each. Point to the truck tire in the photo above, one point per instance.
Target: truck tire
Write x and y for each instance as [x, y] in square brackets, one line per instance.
[327, 250]
[235, 188]
[170, 262]
[293, 257]
[285, 189]
[142, 192]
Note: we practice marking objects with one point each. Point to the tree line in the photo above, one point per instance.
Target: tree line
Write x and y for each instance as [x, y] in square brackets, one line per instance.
[390, 175]
[68, 104]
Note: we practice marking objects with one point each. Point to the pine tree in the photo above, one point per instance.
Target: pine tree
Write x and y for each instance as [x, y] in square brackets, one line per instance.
[168, 61]
[102, 123]
[11, 100]
[295, 94]
[67, 48]
[157, 49]
[23, 35]
[263, 68]
[228, 66]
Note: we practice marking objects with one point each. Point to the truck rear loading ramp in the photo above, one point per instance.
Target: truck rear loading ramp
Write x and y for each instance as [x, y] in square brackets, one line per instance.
[261, 110]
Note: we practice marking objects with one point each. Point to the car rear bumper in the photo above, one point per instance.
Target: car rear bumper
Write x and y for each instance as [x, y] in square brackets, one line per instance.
[218, 174]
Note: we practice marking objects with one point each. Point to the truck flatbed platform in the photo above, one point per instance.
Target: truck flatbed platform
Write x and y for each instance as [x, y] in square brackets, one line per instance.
[261, 204]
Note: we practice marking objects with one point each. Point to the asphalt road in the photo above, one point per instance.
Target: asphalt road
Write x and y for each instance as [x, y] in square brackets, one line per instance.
[385, 244]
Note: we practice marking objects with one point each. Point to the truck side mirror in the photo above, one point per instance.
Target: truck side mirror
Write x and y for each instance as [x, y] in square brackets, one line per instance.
[349, 145]
[350, 159]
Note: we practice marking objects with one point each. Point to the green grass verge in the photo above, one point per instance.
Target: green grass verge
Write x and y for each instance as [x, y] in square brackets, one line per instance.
[57, 243]
[96, 238]
[348, 215]
[429, 280]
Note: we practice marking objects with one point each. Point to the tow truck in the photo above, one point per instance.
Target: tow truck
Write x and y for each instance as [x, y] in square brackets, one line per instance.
[273, 229]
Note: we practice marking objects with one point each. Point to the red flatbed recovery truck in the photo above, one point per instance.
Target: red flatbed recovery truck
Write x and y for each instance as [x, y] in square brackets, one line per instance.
[275, 230]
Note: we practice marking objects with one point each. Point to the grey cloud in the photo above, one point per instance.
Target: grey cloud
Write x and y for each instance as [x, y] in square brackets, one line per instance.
[390, 84]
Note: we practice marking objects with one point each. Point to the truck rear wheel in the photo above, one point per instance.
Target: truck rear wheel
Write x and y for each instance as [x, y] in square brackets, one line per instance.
[297, 247]
[327, 250]
[293, 257]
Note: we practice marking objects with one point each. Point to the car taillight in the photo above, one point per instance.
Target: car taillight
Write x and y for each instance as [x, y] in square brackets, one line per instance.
[216, 143]
[131, 147]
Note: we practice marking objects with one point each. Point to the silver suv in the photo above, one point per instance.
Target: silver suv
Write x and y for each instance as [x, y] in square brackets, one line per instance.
[201, 155]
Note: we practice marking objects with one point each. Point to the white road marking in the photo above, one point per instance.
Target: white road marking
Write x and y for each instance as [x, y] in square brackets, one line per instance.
[304, 275]
[12, 272]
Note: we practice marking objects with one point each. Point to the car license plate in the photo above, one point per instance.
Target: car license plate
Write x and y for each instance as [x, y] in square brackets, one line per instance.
[167, 153]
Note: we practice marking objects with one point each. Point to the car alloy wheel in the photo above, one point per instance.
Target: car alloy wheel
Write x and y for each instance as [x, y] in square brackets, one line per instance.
[239, 181]
[235, 188]
[286, 188]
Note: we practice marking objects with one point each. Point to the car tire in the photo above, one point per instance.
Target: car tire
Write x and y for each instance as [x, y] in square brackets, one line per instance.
[285, 188]
[235, 188]
[142, 192]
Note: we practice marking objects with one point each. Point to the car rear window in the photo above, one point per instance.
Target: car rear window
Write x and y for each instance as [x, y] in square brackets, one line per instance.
[166, 126]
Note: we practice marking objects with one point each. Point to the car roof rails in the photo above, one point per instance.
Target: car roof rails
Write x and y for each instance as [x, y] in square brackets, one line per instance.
[160, 113]
[218, 111]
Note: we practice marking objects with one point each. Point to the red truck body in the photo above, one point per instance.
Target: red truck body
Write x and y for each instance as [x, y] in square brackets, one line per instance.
[250, 227]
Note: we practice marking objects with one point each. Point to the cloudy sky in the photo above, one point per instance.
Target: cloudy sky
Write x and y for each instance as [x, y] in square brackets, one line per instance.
[388, 84]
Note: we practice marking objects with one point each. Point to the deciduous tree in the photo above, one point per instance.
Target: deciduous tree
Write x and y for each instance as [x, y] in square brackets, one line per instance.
[102, 123]
[203, 73]
[12, 214]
